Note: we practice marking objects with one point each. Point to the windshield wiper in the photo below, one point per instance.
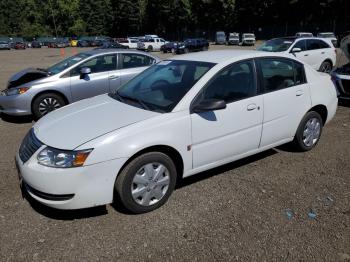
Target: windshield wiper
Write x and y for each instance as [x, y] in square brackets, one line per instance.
[134, 99]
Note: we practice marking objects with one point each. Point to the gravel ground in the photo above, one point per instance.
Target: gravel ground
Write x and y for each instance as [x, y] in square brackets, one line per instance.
[256, 209]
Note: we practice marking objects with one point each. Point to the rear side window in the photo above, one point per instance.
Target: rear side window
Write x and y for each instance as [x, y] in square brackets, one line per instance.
[278, 74]
[323, 44]
[135, 60]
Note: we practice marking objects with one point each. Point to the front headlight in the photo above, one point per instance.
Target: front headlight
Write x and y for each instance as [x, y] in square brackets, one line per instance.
[62, 159]
[15, 91]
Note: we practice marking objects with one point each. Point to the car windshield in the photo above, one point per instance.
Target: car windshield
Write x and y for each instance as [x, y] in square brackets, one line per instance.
[162, 86]
[326, 35]
[276, 45]
[248, 35]
[59, 67]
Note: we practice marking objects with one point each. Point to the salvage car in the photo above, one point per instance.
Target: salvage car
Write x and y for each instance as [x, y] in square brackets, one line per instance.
[133, 144]
[248, 39]
[220, 38]
[4, 45]
[129, 43]
[317, 52]
[151, 44]
[40, 91]
[341, 75]
[233, 39]
[191, 45]
[170, 47]
[19, 45]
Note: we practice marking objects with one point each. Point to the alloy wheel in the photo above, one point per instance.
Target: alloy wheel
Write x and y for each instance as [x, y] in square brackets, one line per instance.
[48, 104]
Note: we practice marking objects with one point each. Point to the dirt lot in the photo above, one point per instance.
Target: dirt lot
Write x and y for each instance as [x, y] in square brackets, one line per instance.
[275, 206]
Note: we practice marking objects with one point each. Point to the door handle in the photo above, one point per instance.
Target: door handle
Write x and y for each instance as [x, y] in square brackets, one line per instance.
[252, 107]
[322, 53]
[299, 93]
[306, 55]
[113, 77]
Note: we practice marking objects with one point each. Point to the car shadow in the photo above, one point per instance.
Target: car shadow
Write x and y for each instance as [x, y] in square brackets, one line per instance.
[184, 182]
[16, 119]
[59, 214]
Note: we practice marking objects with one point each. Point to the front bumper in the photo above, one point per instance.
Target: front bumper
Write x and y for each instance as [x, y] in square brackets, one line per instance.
[16, 105]
[69, 188]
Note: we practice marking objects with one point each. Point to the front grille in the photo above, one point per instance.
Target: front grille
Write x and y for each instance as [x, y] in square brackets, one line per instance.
[346, 86]
[29, 146]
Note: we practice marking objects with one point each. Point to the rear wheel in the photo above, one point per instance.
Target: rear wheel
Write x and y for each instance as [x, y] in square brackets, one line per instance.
[309, 132]
[326, 67]
[146, 182]
[150, 48]
[46, 103]
[186, 50]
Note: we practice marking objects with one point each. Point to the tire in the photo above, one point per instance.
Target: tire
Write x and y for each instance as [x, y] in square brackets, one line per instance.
[204, 48]
[173, 51]
[150, 48]
[186, 50]
[52, 102]
[326, 67]
[312, 121]
[145, 200]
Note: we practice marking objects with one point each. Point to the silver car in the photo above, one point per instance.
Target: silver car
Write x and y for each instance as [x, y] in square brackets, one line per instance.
[40, 91]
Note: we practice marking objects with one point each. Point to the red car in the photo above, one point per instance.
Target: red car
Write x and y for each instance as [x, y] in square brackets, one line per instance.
[20, 45]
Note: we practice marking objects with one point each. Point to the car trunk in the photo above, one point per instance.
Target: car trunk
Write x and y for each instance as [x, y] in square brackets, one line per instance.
[26, 76]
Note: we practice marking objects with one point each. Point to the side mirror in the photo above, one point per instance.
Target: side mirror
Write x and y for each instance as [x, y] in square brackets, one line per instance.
[85, 71]
[296, 50]
[209, 105]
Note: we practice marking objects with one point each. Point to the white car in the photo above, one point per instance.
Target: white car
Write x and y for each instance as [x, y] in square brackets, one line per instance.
[133, 145]
[130, 43]
[331, 36]
[248, 39]
[304, 34]
[319, 53]
[151, 44]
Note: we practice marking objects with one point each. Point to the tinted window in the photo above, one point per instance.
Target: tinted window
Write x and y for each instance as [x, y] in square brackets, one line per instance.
[323, 44]
[299, 74]
[135, 60]
[313, 44]
[97, 64]
[277, 74]
[300, 44]
[233, 83]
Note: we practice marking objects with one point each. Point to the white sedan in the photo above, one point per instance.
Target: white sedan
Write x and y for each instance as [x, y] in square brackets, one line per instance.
[178, 118]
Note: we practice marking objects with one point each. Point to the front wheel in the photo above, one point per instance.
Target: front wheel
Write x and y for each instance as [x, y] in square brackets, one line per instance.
[309, 132]
[146, 182]
[46, 103]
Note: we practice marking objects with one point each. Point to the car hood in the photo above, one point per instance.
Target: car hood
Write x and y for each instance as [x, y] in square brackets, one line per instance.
[78, 123]
[345, 46]
[26, 76]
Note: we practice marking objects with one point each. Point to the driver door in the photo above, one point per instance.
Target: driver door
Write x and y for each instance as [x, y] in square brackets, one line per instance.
[95, 83]
[223, 134]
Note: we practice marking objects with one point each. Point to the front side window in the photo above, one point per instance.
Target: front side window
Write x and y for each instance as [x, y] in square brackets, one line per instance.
[66, 63]
[234, 83]
[300, 44]
[97, 64]
[161, 87]
[313, 44]
[278, 74]
[136, 60]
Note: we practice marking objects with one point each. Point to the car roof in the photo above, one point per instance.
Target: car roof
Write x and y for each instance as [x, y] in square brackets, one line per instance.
[220, 56]
[113, 50]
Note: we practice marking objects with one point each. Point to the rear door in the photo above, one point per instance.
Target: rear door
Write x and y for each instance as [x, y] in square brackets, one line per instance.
[95, 83]
[286, 98]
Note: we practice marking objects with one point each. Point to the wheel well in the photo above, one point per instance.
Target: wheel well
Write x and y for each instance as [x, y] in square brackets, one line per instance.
[322, 110]
[48, 92]
[329, 60]
[169, 151]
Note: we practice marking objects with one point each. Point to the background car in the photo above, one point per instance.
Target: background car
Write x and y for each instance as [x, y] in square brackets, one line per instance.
[132, 145]
[20, 45]
[83, 43]
[304, 34]
[341, 75]
[233, 39]
[129, 42]
[87, 74]
[4, 45]
[191, 45]
[317, 52]
[170, 47]
[330, 36]
[220, 38]
[36, 44]
[248, 39]
[111, 45]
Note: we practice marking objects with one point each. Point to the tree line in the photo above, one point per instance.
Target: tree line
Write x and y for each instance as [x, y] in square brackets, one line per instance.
[173, 19]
